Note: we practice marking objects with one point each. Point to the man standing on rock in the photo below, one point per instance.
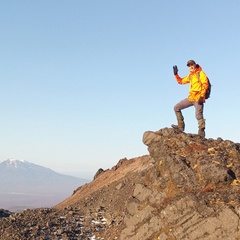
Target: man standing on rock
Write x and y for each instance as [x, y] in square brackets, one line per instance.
[198, 86]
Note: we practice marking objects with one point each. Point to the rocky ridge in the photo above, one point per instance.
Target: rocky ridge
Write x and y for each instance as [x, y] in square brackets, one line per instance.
[186, 188]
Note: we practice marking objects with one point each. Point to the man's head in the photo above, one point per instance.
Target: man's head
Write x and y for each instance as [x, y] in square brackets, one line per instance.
[191, 65]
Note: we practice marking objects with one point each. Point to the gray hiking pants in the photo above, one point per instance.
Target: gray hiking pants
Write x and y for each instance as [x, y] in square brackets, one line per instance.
[185, 103]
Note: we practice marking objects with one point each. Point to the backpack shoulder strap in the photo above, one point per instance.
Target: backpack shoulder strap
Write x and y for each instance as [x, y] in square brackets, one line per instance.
[198, 76]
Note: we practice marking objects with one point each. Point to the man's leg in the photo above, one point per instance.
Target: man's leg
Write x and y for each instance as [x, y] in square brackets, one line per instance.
[177, 108]
[199, 116]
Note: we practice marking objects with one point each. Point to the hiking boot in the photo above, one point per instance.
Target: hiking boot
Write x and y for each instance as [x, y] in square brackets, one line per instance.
[201, 128]
[181, 125]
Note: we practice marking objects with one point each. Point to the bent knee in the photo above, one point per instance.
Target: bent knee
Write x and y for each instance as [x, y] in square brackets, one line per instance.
[177, 108]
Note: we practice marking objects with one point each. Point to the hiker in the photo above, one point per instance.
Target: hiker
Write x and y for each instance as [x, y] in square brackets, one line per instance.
[198, 87]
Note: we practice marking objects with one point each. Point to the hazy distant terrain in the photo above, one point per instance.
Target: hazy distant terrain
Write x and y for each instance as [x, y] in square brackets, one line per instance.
[27, 185]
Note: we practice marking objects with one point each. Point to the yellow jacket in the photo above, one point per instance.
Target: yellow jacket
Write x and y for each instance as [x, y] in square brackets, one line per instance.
[198, 84]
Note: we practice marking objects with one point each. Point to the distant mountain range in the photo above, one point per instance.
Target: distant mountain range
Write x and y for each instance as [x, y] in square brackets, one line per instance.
[27, 185]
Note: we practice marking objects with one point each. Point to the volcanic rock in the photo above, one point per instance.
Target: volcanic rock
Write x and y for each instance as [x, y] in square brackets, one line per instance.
[186, 188]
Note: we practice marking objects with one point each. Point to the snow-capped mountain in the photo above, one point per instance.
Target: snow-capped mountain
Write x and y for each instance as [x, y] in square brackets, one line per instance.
[30, 185]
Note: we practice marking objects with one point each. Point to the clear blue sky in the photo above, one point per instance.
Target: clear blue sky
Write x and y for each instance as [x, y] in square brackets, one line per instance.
[81, 81]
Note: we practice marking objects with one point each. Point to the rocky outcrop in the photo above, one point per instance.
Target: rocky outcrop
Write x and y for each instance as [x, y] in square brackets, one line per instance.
[195, 191]
[186, 188]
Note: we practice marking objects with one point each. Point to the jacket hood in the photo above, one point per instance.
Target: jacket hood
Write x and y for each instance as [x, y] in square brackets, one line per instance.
[198, 68]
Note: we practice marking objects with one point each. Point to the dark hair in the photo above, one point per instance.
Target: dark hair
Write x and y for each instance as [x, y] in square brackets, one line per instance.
[191, 62]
